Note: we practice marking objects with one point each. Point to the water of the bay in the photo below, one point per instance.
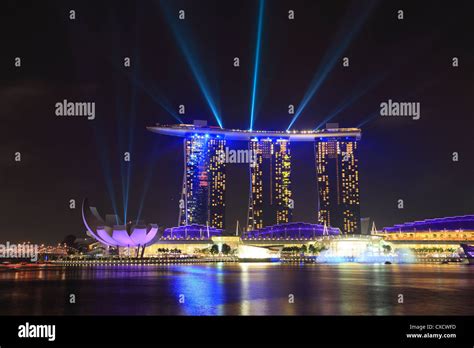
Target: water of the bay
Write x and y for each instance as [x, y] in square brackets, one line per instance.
[240, 289]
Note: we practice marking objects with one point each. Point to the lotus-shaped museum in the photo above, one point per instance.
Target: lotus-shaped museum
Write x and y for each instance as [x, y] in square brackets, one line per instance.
[112, 233]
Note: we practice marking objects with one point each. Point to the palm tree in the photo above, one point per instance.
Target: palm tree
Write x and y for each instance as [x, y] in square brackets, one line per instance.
[225, 249]
[303, 249]
[214, 249]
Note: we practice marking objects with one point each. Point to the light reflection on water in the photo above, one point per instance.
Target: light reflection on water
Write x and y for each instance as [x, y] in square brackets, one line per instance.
[240, 289]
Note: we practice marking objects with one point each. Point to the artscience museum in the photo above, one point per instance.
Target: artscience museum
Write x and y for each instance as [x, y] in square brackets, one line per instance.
[111, 232]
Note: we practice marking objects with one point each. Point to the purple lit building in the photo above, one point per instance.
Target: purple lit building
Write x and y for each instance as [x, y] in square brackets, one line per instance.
[293, 230]
[444, 234]
[270, 192]
[452, 223]
[189, 232]
[111, 232]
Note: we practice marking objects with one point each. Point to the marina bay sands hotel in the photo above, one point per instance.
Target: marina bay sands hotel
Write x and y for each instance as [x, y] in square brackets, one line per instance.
[270, 196]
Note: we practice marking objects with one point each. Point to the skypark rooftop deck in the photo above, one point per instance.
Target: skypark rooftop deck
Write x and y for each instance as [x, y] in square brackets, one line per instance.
[184, 130]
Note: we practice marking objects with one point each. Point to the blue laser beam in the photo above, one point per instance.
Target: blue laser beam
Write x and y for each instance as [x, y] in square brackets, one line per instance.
[342, 41]
[423, 87]
[257, 62]
[105, 163]
[192, 60]
[359, 92]
[121, 148]
[368, 119]
[152, 92]
[125, 131]
[135, 77]
[148, 176]
[129, 122]
[130, 147]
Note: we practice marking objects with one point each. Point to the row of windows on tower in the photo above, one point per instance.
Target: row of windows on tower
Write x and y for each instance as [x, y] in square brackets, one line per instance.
[332, 181]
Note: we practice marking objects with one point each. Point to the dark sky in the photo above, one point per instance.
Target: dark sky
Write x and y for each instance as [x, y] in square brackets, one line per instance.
[67, 158]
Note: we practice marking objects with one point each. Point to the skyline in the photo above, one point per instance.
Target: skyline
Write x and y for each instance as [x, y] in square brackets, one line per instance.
[67, 158]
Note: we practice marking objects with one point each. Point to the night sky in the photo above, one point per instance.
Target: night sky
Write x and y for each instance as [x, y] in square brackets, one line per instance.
[65, 158]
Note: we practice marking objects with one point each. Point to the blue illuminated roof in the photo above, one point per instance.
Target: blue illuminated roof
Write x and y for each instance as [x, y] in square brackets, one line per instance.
[185, 130]
[292, 230]
[465, 222]
[193, 231]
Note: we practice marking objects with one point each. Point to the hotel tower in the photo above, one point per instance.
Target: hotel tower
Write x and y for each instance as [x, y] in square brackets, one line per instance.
[203, 193]
[338, 183]
[270, 199]
[270, 195]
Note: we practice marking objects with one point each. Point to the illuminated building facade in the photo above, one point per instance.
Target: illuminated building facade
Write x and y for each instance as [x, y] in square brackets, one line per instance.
[338, 183]
[282, 180]
[440, 233]
[292, 231]
[107, 232]
[203, 193]
[270, 196]
[191, 232]
[270, 199]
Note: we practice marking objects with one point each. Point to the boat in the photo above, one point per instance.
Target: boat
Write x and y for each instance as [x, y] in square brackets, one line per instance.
[469, 251]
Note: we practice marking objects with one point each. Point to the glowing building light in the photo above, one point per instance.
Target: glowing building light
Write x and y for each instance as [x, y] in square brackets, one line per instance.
[338, 184]
[270, 185]
[129, 235]
[204, 177]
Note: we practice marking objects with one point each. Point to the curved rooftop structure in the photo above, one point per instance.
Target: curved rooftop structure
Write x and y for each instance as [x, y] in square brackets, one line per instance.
[193, 231]
[110, 233]
[185, 130]
[292, 230]
[465, 222]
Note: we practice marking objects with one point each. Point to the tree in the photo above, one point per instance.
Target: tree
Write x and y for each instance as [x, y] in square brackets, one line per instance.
[70, 241]
[303, 249]
[387, 248]
[201, 251]
[312, 249]
[214, 249]
[225, 249]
